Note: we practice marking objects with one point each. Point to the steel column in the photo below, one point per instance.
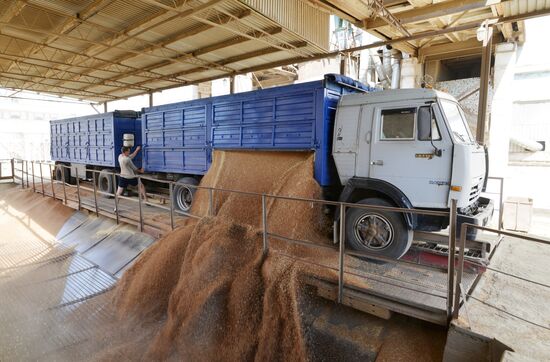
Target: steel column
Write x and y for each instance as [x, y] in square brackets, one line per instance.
[484, 85]
[22, 175]
[451, 259]
[341, 251]
[13, 169]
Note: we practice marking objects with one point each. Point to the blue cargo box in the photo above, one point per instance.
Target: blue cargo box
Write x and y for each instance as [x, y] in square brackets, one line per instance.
[94, 140]
[179, 137]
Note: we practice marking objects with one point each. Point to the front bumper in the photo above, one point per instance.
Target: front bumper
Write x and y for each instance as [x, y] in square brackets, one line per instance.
[481, 217]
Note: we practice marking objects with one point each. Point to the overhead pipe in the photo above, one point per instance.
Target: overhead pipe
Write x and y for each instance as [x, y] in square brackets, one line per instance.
[397, 56]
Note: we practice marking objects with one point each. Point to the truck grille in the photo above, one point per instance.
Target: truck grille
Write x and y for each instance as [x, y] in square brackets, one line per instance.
[476, 189]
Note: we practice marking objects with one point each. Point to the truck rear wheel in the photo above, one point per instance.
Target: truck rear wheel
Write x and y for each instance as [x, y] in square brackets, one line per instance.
[182, 196]
[378, 232]
[105, 182]
[59, 173]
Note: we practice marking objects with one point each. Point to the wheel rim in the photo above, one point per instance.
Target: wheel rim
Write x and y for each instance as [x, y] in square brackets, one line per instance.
[184, 198]
[104, 184]
[374, 231]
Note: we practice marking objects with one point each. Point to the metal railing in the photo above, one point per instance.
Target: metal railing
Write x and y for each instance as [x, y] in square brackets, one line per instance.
[36, 171]
[460, 291]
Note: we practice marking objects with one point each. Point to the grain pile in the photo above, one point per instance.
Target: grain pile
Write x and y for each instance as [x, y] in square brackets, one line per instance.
[206, 289]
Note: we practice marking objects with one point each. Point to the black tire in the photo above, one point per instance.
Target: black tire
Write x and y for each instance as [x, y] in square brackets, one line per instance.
[105, 182]
[182, 196]
[59, 173]
[378, 232]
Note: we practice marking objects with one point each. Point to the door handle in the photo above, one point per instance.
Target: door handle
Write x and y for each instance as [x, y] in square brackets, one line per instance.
[377, 163]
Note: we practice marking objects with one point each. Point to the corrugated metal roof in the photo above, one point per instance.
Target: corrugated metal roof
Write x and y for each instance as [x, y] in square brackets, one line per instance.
[417, 16]
[107, 49]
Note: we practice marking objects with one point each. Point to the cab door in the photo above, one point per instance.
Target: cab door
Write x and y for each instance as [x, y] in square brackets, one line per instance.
[405, 158]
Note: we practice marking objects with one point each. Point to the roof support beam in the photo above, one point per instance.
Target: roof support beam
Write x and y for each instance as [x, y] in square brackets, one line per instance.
[430, 12]
[191, 55]
[237, 58]
[50, 88]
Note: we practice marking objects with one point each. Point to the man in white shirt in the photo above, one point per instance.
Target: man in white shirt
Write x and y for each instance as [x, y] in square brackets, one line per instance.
[128, 171]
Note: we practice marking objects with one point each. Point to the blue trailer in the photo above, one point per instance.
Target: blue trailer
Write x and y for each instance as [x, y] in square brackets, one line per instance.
[179, 137]
[93, 142]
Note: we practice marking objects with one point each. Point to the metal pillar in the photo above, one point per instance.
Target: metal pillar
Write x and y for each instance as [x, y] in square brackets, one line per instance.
[232, 85]
[13, 169]
[105, 107]
[451, 259]
[22, 175]
[150, 99]
[484, 85]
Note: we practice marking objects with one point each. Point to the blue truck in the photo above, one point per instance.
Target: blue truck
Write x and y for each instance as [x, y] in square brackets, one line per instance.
[93, 143]
[408, 148]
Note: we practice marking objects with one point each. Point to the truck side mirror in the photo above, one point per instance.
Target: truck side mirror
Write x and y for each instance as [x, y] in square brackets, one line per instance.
[425, 127]
[425, 123]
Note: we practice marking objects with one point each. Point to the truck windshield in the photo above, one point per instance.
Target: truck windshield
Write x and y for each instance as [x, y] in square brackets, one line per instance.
[457, 122]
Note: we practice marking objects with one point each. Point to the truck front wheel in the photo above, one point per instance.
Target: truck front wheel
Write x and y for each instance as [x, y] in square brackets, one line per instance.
[378, 232]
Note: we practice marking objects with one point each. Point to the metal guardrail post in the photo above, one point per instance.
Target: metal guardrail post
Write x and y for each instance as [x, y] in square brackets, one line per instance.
[461, 247]
[78, 189]
[51, 180]
[171, 191]
[64, 186]
[27, 172]
[264, 226]
[140, 205]
[341, 251]
[95, 193]
[210, 202]
[33, 177]
[42, 180]
[501, 205]
[13, 169]
[116, 197]
[451, 259]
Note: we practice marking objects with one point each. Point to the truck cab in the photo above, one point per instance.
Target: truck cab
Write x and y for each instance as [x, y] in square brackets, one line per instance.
[409, 148]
